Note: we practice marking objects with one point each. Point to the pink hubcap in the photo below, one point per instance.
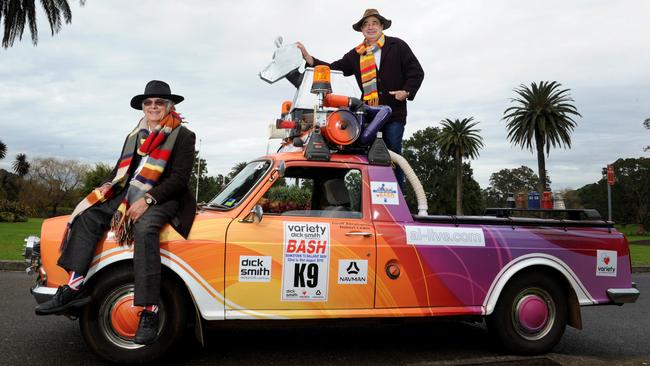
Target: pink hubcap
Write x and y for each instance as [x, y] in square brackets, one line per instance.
[532, 313]
[125, 318]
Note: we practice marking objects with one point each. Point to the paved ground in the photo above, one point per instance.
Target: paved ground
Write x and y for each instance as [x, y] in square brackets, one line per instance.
[612, 336]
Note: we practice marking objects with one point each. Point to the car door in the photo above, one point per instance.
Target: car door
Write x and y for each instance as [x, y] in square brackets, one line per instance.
[306, 253]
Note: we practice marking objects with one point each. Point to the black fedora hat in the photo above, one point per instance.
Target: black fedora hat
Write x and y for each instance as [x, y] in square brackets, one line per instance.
[371, 13]
[155, 89]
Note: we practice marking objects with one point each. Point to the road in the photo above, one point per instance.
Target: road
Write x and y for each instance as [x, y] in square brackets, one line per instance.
[612, 335]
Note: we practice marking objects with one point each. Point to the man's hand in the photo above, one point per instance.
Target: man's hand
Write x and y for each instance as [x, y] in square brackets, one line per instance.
[137, 209]
[305, 55]
[400, 95]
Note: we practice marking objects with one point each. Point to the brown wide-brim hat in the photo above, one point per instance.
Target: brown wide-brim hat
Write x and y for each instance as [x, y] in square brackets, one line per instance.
[371, 13]
[155, 89]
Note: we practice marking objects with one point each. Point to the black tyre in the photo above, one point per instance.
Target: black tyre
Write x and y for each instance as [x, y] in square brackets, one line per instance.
[530, 315]
[107, 323]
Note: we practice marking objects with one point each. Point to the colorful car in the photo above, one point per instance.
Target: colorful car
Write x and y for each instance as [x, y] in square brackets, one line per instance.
[324, 232]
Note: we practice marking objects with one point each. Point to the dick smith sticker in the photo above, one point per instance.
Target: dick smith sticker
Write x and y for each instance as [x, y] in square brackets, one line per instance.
[384, 193]
[254, 268]
[305, 267]
[444, 236]
[353, 272]
[606, 263]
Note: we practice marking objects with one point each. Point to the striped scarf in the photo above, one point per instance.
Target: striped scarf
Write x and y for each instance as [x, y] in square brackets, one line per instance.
[156, 148]
[369, 70]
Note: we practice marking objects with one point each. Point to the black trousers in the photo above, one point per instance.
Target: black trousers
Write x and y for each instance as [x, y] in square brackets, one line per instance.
[89, 228]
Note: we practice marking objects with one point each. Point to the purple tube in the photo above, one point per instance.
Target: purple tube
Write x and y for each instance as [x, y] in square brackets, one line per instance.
[381, 114]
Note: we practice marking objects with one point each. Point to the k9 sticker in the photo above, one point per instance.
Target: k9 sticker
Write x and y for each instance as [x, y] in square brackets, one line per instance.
[305, 264]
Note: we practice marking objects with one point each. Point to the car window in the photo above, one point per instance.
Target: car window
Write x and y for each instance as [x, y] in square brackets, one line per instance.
[315, 192]
[241, 185]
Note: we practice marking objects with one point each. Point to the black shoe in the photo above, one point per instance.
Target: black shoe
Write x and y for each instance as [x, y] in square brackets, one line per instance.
[64, 299]
[147, 329]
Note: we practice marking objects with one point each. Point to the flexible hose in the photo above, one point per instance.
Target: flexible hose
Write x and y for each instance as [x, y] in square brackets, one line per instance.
[413, 179]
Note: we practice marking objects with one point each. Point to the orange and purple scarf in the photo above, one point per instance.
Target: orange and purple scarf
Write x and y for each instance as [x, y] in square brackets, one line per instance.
[369, 70]
[156, 148]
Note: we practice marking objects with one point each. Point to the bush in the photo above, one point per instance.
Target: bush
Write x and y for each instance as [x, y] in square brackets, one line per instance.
[11, 211]
[6, 216]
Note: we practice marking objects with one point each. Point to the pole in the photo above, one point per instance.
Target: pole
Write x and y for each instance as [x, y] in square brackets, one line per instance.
[609, 202]
[198, 172]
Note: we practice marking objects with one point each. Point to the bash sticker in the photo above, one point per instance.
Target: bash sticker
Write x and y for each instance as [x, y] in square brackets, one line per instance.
[305, 264]
[353, 272]
[606, 263]
[255, 268]
[384, 193]
[444, 236]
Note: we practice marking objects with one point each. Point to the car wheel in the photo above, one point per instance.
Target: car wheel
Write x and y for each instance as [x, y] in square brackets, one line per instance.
[530, 315]
[108, 324]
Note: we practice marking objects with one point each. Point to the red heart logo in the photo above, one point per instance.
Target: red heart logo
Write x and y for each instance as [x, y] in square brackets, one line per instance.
[606, 260]
[305, 292]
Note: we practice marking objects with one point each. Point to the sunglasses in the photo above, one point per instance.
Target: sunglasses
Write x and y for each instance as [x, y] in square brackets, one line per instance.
[158, 102]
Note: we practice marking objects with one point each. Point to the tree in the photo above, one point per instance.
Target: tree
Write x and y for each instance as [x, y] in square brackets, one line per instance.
[630, 193]
[436, 173]
[541, 118]
[236, 169]
[55, 184]
[646, 124]
[18, 13]
[95, 177]
[510, 181]
[3, 150]
[459, 139]
[21, 165]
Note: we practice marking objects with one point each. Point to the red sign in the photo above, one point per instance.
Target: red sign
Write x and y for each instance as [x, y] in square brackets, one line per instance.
[610, 175]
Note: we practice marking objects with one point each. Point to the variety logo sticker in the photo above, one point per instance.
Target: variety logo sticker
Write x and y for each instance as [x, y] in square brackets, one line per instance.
[305, 269]
[444, 236]
[255, 268]
[353, 272]
[606, 263]
[384, 193]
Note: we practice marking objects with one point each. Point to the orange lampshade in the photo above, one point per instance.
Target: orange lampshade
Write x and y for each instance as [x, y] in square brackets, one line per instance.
[321, 82]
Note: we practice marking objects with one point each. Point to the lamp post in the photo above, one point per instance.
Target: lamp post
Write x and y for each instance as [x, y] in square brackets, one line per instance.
[609, 172]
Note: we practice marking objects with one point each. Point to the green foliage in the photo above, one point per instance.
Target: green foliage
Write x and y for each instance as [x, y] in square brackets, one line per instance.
[282, 198]
[12, 211]
[459, 138]
[9, 185]
[13, 235]
[543, 118]
[17, 14]
[646, 124]
[21, 165]
[630, 193]
[436, 172]
[3, 150]
[95, 177]
[522, 179]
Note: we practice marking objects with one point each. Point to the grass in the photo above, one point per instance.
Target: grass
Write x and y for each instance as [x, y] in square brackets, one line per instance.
[640, 254]
[12, 235]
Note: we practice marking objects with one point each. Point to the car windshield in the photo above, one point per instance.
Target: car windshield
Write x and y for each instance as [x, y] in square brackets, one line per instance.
[240, 185]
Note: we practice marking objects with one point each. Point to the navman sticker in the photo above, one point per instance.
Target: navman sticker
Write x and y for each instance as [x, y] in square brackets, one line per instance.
[255, 268]
[305, 264]
[353, 272]
[444, 236]
[384, 193]
[606, 263]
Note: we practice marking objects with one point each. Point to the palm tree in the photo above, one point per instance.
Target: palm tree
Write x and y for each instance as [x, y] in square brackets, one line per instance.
[18, 13]
[646, 123]
[3, 150]
[20, 165]
[459, 139]
[542, 116]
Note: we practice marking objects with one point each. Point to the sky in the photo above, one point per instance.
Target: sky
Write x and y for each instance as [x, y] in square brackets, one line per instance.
[69, 96]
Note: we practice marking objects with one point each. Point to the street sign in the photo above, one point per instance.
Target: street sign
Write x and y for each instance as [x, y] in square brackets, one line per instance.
[610, 175]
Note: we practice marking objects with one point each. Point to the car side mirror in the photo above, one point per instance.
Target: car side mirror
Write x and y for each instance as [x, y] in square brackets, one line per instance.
[254, 216]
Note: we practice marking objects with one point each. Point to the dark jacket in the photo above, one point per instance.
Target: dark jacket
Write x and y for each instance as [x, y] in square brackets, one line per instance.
[174, 181]
[399, 69]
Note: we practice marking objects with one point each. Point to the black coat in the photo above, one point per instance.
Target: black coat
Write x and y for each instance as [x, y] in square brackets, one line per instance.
[174, 181]
[399, 69]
